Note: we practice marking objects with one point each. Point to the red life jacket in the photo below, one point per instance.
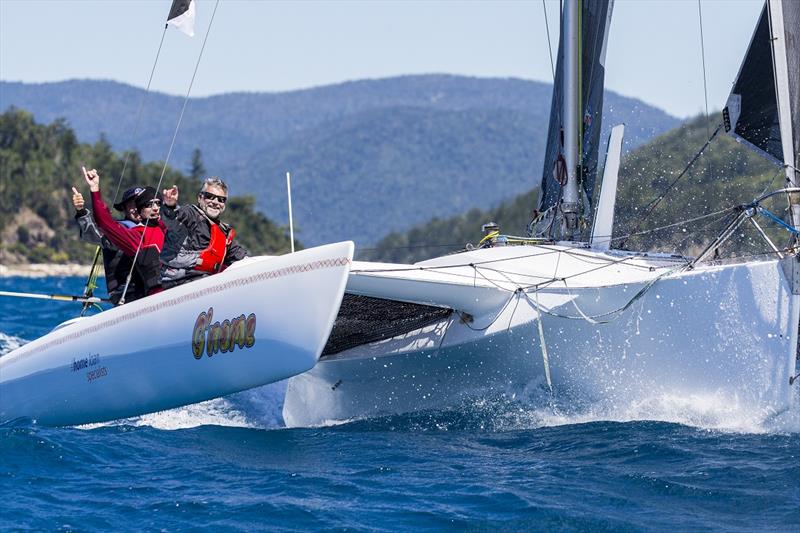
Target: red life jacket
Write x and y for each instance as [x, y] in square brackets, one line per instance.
[214, 254]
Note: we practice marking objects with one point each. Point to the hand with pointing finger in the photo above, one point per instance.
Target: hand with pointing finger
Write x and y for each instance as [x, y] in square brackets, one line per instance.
[92, 179]
[170, 196]
[77, 200]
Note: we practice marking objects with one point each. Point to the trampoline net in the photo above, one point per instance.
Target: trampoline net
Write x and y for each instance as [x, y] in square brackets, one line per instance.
[364, 319]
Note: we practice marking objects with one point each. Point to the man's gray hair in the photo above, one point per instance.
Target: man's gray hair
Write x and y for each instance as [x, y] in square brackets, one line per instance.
[214, 181]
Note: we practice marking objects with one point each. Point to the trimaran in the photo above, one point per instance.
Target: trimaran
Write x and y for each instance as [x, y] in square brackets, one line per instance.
[560, 310]
[585, 322]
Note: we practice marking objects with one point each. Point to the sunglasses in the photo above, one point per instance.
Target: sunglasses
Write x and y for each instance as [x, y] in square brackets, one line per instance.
[153, 203]
[211, 196]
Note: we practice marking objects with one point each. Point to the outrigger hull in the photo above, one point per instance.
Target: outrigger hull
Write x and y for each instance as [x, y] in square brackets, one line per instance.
[260, 321]
[727, 332]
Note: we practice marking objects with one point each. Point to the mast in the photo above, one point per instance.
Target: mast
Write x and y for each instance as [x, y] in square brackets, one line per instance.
[763, 109]
[570, 206]
[782, 68]
[573, 138]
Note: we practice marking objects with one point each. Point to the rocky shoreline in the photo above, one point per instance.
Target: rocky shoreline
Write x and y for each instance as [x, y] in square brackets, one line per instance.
[42, 270]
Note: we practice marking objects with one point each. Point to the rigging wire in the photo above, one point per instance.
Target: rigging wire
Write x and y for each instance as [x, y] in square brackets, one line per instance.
[536, 287]
[705, 84]
[654, 203]
[91, 282]
[139, 115]
[727, 217]
[613, 239]
[171, 145]
[549, 46]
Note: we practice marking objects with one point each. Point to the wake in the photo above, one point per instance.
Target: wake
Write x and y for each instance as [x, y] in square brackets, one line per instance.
[529, 408]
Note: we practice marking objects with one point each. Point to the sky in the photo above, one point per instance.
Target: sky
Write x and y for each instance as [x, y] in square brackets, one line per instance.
[654, 48]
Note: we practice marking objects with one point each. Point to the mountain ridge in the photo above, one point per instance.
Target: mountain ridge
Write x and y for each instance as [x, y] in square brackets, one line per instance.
[252, 139]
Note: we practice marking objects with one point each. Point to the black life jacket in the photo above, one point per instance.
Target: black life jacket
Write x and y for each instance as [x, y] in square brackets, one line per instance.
[148, 269]
[117, 265]
[145, 277]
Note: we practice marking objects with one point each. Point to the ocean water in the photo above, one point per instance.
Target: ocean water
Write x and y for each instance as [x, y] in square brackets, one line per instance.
[681, 464]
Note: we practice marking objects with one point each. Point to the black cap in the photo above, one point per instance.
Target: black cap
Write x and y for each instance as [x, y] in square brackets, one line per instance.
[144, 197]
[127, 195]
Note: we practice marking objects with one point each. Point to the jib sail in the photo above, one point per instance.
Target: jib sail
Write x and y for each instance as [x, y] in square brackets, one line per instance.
[763, 109]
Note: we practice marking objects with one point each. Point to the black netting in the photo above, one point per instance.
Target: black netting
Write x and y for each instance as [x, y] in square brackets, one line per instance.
[364, 319]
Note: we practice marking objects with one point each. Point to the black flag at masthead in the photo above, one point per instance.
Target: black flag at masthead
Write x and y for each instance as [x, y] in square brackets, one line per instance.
[181, 15]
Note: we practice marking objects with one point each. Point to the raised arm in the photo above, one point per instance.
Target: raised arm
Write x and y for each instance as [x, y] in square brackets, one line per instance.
[126, 239]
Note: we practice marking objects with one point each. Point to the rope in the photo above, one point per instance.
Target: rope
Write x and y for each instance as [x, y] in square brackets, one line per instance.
[91, 282]
[615, 313]
[545, 355]
[541, 241]
[767, 214]
[465, 317]
[600, 261]
[171, 146]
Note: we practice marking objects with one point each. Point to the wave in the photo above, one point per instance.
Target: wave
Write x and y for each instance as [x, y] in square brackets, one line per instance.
[533, 408]
[258, 408]
[529, 408]
[9, 343]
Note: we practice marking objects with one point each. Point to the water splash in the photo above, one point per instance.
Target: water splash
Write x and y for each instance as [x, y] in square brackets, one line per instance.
[532, 408]
[10, 343]
[256, 408]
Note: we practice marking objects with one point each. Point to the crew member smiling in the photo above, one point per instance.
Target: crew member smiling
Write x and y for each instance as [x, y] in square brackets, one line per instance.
[198, 242]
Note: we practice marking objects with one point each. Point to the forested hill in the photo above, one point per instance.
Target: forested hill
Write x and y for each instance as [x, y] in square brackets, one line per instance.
[367, 157]
[40, 163]
[727, 174]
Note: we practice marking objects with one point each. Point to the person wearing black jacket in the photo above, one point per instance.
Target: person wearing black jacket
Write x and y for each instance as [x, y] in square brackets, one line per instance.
[115, 263]
[198, 244]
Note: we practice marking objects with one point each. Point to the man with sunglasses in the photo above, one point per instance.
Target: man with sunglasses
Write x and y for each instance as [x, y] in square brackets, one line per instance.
[198, 243]
[141, 244]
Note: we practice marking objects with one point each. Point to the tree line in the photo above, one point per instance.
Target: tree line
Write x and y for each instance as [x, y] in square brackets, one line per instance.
[725, 175]
[39, 163]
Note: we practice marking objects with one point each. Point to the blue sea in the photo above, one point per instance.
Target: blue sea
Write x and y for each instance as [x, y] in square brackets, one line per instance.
[677, 464]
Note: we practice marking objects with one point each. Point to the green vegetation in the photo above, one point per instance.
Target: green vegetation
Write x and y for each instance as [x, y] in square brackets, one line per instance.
[726, 175]
[40, 163]
[441, 236]
[366, 157]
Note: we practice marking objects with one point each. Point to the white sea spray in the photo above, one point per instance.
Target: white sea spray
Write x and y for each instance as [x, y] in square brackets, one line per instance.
[9, 343]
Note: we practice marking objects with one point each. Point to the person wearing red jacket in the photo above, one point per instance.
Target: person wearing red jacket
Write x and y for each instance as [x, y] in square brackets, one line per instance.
[147, 237]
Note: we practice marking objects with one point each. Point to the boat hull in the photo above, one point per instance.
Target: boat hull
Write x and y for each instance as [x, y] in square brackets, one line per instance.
[260, 321]
[724, 331]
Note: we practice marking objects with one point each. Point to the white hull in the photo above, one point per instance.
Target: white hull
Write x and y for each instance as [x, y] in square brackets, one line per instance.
[728, 331]
[155, 353]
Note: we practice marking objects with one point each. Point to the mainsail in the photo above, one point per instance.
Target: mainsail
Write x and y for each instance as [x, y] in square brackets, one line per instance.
[595, 22]
[763, 109]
